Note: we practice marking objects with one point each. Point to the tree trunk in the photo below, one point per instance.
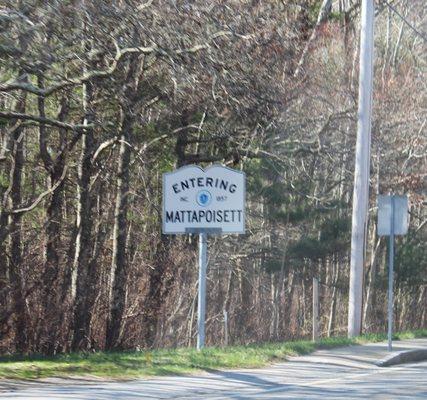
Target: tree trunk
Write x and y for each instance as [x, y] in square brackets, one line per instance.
[52, 309]
[158, 286]
[333, 308]
[84, 278]
[119, 268]
[371, 284]
[15, 276]
[324, 11]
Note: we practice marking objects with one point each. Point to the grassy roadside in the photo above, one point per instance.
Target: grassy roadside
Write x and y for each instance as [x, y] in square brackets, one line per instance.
[132, 364]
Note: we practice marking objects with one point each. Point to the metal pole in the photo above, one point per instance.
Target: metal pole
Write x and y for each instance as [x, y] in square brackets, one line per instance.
[361, 172]
[201, 306]
[390, 276]
[225, 327]
[315, 309]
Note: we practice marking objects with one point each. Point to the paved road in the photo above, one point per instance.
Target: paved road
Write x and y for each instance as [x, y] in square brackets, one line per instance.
[331, 374]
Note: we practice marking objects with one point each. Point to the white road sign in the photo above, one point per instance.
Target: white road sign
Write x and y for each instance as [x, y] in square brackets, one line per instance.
[400, 207]
[195, 199]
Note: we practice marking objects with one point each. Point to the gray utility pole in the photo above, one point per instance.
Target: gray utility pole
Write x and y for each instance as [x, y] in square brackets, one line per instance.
[361, 172]
[201, 306]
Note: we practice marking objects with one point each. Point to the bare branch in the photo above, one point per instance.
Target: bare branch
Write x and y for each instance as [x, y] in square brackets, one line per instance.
[28, 87]
[48, 121]
[37, 201]
[325, 10]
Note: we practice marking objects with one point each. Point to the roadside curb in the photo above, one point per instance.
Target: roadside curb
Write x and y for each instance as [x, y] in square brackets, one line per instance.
[403, 358]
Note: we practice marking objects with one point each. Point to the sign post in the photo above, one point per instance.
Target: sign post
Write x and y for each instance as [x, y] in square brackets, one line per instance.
[201, 305]
[203, 201]
[390, 277]
[392, 220]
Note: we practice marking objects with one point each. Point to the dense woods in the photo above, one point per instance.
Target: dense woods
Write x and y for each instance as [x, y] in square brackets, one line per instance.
[99, 98]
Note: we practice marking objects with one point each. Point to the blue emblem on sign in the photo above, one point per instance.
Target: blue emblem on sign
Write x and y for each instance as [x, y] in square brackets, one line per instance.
[204, 198]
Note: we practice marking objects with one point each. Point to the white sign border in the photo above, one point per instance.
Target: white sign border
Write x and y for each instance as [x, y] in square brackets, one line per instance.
[401, 226]
[207, 230]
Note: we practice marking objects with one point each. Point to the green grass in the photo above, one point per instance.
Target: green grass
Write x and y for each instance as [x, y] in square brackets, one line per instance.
[132, 364]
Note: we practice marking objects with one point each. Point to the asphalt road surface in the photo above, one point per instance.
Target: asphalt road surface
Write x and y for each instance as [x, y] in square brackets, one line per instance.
[345, 373]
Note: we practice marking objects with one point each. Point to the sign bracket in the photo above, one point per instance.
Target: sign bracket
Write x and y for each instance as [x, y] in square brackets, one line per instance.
[208, 231]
